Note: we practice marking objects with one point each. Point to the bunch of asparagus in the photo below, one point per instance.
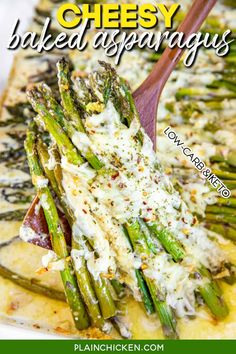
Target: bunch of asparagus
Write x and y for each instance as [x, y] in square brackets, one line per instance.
[89, 298]
[215, 102]
[195, 103]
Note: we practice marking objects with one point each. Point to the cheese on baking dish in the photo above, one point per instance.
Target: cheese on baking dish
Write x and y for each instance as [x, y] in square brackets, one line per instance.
[132, 185]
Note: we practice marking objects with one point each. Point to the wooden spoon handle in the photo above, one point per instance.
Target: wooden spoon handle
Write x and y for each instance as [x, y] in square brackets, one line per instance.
[147, 95]
[191, 24]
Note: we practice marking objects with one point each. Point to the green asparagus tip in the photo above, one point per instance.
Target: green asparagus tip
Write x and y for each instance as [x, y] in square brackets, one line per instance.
[214, 302]
[212, 295]
[34, 95]
[63, 64]
[231, 278]
[169, 323]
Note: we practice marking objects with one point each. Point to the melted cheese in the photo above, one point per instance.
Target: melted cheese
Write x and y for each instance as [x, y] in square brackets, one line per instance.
[140, 189]
[27, 233]
[81, 141]
[52, 161]
[40, 182]
[51, 262]
[94, 222]
[133, 186]
[174, 281]
[79, 200]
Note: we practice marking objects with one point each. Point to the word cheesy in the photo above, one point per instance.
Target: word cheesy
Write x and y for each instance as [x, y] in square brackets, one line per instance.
[116, 15]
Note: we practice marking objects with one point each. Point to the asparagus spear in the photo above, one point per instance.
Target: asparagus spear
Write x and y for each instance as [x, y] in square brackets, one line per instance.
[87, 284]
[223, 83]
[67, 95]
[57, 238]
[143, 288]
[214, 284]
[229, 159]
[230, 60]
[118, 287]
[44, 159]
[222, 229]
[13, 215]
[215, 303]
[52, 107]
[231, 278]
[212, 295]
[106, 302]
[224, 210]
[145, 293]
[55, 109]
[230, 183]
[202, 94]
[223, 166]
[64, 144]
[72, 111]
[224, 174]
[168, 241]
[150, 239]
[86, 289]
[31, 284]
[230, 3]
[220, 218]
[230, 202]
[9, 242]
[163, 310]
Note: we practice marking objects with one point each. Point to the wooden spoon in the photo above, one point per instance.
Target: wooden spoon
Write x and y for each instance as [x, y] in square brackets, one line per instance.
[146, 98]
[148, 94]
